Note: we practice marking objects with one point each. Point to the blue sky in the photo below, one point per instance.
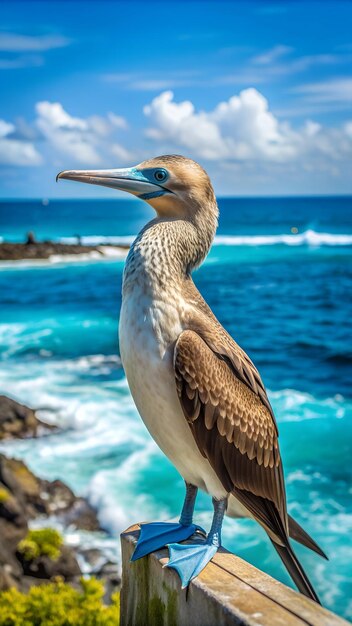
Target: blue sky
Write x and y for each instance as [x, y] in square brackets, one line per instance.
[259, 92]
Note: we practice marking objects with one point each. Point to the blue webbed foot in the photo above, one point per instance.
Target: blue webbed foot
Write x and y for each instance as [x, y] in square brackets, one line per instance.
[156, 535]
[189, 560]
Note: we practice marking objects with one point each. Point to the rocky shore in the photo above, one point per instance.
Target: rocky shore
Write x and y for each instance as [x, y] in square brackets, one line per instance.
[44, 250]
[18, 421]
[26, 499]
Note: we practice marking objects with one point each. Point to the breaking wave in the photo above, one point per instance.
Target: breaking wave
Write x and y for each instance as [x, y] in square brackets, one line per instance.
[307, 238]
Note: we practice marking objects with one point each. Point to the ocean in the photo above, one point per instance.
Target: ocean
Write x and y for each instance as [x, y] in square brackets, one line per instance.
[279, 278]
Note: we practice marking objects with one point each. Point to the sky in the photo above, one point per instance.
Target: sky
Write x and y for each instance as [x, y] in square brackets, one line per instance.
[260, 93]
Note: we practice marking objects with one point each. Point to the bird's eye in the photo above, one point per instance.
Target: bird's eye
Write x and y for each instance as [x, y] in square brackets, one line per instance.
[160, 175]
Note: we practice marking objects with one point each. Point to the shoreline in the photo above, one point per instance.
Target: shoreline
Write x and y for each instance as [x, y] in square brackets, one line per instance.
[51, 251]
[30, 503]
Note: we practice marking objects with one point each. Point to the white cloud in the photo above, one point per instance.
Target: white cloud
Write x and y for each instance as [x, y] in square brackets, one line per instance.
[243, 129]
[57, 117]
[12, 42]
[305, 62]
[240, 128]
[29, 60]
[21, 49]
[240, 141]
[301, 64]
[16, 152]
[273, 63]
[333, 90]
[98, 125]
[82, 139]
[140, 81]
[275, 53]
[118, 121]
[182, 125]
[6, 128]
[155, 84]
[123, 154]
[266, 67]
[251, 130]
[66, 133]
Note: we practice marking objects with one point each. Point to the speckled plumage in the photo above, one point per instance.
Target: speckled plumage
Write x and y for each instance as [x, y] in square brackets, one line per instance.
[185, 346]
[199, 394]
[182, 364]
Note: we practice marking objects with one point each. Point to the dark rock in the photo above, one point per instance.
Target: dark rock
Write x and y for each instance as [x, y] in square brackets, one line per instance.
[6, 579]
[35, 496]
[24, 486]
[70, 509]
[13, 526]
[18, 421]
[30, 238]
[46, 249]
[82, 516]
[23, 497]
[47, 568]
[93, 558]
[59, 496]
[8, 560]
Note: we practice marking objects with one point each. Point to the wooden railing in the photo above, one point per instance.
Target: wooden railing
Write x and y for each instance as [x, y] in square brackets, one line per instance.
[228, 592]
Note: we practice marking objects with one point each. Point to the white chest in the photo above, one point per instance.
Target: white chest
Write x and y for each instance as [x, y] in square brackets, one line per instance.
[148, 331]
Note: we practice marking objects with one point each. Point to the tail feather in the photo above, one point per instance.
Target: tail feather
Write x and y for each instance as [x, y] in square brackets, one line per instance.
[299, 534]
[296, 570]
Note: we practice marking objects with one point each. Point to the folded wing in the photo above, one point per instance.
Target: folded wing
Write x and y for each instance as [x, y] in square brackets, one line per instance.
[233, 429]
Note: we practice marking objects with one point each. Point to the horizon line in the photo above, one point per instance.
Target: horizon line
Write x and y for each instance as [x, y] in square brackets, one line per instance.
[218, 197]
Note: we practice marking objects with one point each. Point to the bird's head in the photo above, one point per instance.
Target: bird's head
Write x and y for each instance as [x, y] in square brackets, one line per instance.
[175, 186]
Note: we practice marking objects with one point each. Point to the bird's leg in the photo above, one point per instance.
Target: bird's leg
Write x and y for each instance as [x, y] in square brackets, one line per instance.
[158, 534]
[190, 559]
[186, 517]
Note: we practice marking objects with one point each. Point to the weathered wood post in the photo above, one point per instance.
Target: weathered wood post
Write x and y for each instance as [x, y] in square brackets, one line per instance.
[228, 592]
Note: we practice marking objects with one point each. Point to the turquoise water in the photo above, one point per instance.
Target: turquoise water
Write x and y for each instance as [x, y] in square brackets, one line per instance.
[285, 297]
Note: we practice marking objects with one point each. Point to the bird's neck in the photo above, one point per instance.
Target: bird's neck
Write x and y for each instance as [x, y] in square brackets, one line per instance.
[166, 251]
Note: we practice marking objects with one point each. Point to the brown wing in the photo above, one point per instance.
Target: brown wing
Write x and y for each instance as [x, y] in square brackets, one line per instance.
[234, 429]
[222, 344]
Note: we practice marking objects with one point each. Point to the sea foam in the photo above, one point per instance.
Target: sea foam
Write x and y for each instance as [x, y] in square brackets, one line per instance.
[306, 238]
[106, 454]
[109, 249]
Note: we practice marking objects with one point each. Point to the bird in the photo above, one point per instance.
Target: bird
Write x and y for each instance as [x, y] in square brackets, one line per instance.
[197, 391]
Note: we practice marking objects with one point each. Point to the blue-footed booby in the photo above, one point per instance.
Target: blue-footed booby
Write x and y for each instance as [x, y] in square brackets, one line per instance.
[198, 393]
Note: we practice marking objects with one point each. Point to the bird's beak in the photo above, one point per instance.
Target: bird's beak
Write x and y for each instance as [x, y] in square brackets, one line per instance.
[128, 179]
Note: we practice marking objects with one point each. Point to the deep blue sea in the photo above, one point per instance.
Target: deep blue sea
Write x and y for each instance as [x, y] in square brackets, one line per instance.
[279, 278]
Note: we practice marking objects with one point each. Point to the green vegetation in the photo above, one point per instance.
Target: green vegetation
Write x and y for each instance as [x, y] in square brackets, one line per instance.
[46, 541]
[58, 604]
